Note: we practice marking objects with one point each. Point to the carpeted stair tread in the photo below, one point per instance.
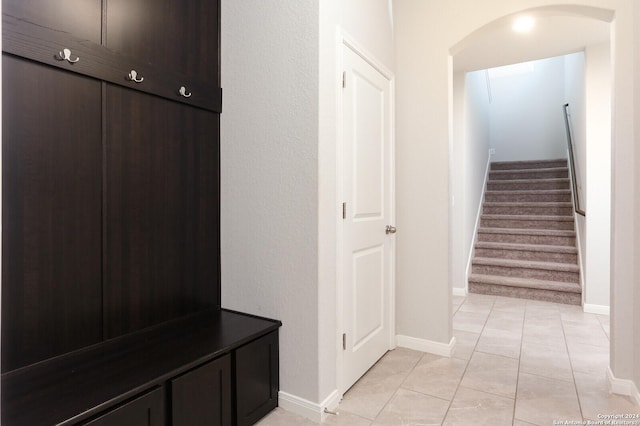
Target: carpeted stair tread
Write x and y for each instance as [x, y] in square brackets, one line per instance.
[527, 236]
[526, 221]
[527, 171]
[520, 208]
[510, 165]
[528, 264]
[539, 217]
[526, 231]
[528, 184]
[531, 252]
[527, 283]
[560, 180]
[528, 192]
[556, 172]
[534, 195]
[529, 204]
[527, 247]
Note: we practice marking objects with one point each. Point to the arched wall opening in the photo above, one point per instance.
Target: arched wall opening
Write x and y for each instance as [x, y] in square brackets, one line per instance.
[425, 33]
[584, 83]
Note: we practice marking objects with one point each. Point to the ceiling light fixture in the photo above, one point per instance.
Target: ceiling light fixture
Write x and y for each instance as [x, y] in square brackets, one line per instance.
[524, 24]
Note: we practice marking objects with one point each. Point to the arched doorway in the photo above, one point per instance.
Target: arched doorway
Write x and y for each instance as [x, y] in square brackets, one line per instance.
[556, 33]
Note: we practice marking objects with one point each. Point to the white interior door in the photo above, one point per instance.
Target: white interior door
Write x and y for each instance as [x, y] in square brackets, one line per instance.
[367, 190]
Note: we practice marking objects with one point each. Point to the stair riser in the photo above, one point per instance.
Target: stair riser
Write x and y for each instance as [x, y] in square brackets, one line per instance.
[538, 274]
[528, 210]
[532, 294]
[535, 256]
[530, 185]
[499, 197]
[551, 240]
[517, 165]
[527, 224]
[538, 174]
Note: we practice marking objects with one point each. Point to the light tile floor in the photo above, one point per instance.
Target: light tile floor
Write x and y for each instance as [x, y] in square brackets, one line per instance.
[517, 362]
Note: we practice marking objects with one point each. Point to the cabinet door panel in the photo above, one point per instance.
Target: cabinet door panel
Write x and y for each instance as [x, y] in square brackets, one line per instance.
[181, 35]
[202, 397]
[161, 206]
[82, 19]
[147, 410]
[257, 381]
[51, 212]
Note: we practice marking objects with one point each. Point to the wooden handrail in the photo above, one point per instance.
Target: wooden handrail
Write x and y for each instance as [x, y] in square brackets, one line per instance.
[572, 167]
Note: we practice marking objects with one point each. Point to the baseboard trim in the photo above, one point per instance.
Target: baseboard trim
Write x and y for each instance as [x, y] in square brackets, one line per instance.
[476, 226]
[596, 309]
[623, 386]
[306, 408]
[424, 345]
[457, 291]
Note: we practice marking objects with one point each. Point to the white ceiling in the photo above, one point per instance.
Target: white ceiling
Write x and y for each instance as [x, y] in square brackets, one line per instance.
[498, 44]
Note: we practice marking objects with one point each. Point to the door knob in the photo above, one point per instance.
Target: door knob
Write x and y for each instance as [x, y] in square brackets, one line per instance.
[390, 230]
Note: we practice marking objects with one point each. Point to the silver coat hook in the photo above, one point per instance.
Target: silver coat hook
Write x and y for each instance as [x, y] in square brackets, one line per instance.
[133, 76]
[183, 92]
[65, 55]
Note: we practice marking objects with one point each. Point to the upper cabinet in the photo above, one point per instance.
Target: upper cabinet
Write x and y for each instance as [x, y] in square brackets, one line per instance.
[175, 34]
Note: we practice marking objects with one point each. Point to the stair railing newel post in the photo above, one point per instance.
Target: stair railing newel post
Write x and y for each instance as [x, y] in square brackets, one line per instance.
[574, 182]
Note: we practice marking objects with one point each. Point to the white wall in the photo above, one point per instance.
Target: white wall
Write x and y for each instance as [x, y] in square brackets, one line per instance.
[476, 156]
[636, 295]
[370, 22]
[526, 115]
[0, 185]
[574, 95]
[269, 172]
[469, 165]
[328, 211]
[280, 76]
[423, 124]
[457, 182]
[422, 153]
[598, 186]
[624, 250]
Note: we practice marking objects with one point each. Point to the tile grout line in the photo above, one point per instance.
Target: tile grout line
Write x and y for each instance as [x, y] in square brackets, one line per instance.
[515, 396]
[575, 385]
[466, 367]
[395, 392]
[605, 330]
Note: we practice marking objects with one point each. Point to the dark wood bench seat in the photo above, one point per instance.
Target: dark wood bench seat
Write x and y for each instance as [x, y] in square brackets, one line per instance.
[75, 387]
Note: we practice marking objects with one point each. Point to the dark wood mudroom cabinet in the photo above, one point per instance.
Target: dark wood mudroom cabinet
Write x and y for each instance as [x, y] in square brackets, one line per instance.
[111, 311]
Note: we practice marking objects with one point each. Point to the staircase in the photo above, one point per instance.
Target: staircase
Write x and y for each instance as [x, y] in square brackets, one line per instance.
[526, 245]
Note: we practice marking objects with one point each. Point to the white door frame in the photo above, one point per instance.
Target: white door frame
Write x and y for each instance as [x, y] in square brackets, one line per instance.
[345, 40]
